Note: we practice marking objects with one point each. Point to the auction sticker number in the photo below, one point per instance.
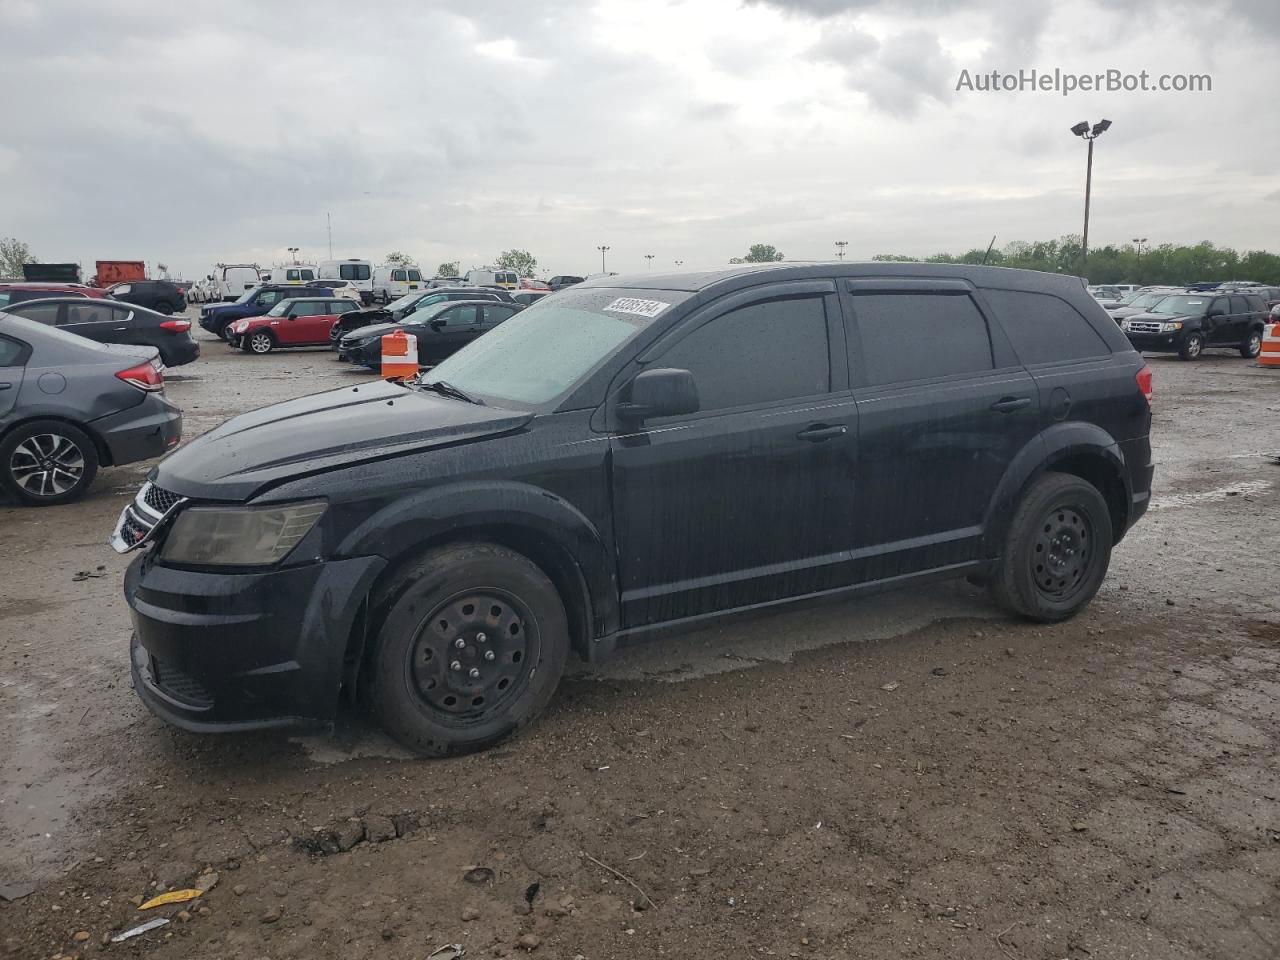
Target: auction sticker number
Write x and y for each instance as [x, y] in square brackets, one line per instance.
[641, 308]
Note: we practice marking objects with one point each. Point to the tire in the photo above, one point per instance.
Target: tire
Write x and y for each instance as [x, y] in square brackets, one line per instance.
[226, 333]
[1192, 346]
[515, 641]
[259, 342]
[1251, 346]
[25, 451]
[1056, 551]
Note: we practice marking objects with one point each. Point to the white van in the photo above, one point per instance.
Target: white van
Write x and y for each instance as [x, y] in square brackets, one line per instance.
[490, 277]
[391, 281]
[295, 273]
[229, 281]
[359, 272]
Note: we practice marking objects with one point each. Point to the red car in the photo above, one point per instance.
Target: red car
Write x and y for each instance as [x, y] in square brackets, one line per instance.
[17, 292]
[296, 322]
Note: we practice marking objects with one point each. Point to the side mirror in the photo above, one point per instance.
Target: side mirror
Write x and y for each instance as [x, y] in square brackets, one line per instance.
[436, 325]
[664, 392]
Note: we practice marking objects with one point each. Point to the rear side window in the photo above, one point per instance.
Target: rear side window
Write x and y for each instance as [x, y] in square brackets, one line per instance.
[769, 351]
[397, 274]
[10, 352]
[1045, 329]
[918, 336]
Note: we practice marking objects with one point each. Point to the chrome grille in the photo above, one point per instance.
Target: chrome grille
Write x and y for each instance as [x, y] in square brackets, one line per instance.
[158, 499]
[1144, 326]
[139, 519]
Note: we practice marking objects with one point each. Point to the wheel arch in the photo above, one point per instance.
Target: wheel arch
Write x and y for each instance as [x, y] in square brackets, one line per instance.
[550, 532]
[1080, 449]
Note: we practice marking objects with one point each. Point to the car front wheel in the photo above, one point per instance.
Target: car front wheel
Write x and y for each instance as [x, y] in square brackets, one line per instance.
[471, 647]
[227, 334]
[47, 462]
[1192, 347]
[259, 343]
[1056, 551]
[1251, 346]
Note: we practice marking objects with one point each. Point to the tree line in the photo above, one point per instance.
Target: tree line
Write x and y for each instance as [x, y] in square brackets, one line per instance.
[1166, 263]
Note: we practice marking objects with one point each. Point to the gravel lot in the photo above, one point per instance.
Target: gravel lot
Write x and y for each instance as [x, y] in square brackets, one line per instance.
[914, 775]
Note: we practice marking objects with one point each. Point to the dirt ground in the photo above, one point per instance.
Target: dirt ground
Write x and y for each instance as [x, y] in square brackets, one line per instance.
[913, 775]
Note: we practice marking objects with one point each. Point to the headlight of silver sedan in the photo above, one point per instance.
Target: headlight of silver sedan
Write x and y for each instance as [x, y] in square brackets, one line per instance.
[239, 536]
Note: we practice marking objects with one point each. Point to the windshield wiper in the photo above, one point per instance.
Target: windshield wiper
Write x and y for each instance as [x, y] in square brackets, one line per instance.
[446, 389]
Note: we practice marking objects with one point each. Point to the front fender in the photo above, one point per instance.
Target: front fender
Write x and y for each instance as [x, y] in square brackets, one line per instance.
[1054, 444]
[402, 527]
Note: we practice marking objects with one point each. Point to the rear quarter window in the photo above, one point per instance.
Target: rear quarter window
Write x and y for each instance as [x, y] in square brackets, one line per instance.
[1044, 328]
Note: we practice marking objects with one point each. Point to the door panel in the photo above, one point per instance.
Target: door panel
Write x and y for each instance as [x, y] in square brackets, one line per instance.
[742, 503]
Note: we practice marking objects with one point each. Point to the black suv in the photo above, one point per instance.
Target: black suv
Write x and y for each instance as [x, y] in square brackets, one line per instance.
[631, 455]
[158, 295]
[1187, 323]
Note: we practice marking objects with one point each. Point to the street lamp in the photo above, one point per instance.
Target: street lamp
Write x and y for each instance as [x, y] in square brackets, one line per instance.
[1085, 132]
[1139, 241]
[649, 257]
[840, 245]
[603, 250]
[679, 263]
[293, 253]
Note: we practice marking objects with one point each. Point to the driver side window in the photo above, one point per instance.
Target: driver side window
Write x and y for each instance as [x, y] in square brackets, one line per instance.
[761, 353]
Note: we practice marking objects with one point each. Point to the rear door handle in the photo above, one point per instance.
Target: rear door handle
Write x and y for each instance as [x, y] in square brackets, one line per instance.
[1010, 404]
[6, 386]
[822, 431]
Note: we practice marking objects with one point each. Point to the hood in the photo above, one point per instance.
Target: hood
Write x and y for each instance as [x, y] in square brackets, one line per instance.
[1162, 317]
[374, 330]
[325, 431]
[1121, 312]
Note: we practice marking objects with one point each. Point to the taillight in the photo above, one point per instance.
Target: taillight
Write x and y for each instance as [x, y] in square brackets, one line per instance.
[180, 326]
[1144, 383]
[145, 376]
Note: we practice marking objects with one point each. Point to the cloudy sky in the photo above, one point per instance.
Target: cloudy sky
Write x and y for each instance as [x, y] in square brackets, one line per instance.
[197, 132]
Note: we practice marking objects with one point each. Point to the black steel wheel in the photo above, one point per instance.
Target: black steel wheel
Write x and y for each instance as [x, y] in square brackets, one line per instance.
[471, 642]
[1056, 551]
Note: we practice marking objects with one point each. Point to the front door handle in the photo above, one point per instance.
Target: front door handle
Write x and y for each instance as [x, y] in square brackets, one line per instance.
[6, 386]
[1010, 404]
[822, 431]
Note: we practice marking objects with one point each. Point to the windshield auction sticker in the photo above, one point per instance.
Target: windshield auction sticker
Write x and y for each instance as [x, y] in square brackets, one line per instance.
[641, 308]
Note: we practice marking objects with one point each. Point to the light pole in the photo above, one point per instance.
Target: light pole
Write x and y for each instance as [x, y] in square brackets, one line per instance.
[293, 253]
[1084, 131]
[679, 263]
[649, 257]
[1139, 241]
[840, 245]
[603, 250]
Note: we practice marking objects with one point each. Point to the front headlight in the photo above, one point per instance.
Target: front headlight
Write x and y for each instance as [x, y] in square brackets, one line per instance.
[239, 536]
[1171, 326]
[242, 326]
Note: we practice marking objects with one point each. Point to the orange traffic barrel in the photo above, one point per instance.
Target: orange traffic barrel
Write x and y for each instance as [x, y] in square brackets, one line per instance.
[399, 355]
[1270, 355]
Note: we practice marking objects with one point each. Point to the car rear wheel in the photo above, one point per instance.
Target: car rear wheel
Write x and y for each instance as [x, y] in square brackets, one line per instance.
[259, 342]
[1251, 346]
[47, 462]
[1057, 550]
[1192, 347]
[471, 647]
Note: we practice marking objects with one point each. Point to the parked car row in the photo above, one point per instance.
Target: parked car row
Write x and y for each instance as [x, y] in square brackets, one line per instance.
[1186, 322]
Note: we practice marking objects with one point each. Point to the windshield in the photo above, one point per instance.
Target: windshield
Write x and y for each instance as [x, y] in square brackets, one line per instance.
[1144, 300]
[279, 309]
[404, 301]
[1179, 306]
[247, 295]
[545, 350]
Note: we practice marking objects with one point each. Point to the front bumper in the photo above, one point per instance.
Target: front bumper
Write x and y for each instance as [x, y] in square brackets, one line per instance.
[1156, 342]
[235, 651]
[143, 432]
[368, 354]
